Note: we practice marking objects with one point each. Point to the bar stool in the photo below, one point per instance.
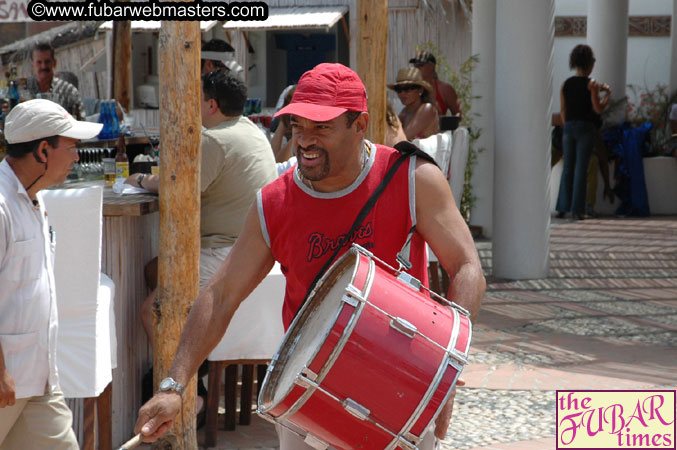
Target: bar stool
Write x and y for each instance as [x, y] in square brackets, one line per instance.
[253, 336]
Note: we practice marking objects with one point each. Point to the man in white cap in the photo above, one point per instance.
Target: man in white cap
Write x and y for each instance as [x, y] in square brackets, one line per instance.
[41, 138]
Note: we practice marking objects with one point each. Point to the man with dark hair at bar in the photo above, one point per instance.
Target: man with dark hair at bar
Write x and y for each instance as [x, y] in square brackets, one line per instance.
[237, 161]
[41, 138]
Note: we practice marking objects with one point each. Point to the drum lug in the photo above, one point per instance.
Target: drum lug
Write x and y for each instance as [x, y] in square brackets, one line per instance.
[352, 301]
[305, 383]
[408, 441]
[410, 281]
[312, 376]
[455, 357]
[356, 409]
[353, 291]
[411, 438]
[404, 327]
[315, 442]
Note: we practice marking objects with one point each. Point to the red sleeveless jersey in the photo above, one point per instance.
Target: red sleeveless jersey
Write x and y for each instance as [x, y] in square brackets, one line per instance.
[303, 227]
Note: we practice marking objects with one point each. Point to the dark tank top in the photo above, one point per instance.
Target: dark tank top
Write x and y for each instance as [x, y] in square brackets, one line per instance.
[577, 99]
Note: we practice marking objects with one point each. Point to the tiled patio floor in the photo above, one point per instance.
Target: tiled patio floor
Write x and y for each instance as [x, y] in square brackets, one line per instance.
[605, 318]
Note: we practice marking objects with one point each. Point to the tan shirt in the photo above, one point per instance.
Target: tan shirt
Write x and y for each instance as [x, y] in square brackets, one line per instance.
[237, 161]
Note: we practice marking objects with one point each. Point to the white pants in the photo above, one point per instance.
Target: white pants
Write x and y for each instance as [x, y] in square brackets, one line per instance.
[291, 441]
[42, 422]
[211, 260]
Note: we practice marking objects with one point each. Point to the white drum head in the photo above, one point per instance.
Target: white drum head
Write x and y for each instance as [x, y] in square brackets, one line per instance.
[308, 332]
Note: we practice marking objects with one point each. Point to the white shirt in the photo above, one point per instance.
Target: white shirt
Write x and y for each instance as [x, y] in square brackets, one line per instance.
[28, 315]
[284, 165]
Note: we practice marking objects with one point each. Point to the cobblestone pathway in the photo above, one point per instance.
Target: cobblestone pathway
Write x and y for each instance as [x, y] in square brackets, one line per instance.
[606, 317]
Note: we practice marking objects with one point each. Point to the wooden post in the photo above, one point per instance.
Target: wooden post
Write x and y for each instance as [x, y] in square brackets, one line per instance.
[122, 62]
[179, 245]
[372, 38]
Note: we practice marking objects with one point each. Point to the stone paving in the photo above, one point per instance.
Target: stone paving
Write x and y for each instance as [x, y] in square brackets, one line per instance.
[605, 318]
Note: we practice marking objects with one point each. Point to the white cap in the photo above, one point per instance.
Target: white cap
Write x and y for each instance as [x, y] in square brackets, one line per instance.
[40, 118]
[218, 56]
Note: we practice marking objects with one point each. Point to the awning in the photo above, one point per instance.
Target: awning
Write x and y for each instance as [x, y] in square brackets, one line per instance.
[57, 36]
[292, 18]
[154, 25]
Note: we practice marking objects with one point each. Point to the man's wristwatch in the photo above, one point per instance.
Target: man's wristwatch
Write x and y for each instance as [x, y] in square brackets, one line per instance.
[139, 179]
[169, 384]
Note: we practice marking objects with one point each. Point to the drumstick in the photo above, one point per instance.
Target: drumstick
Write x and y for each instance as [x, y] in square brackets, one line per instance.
[132, 443]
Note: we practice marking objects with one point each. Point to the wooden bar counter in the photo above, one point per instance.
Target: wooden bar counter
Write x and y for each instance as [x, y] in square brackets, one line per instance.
[130, 239]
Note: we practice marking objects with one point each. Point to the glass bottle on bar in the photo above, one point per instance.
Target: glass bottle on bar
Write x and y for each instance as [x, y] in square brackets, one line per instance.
[121, 159]
[13, 94]
[109, 170]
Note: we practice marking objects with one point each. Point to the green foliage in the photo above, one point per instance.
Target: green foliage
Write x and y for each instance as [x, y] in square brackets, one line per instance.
[461, 80]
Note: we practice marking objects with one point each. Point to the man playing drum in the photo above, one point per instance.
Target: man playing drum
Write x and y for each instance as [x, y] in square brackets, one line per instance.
[301, 218]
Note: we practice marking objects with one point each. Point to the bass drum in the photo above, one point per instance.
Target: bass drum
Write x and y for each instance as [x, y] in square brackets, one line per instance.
[368, 362]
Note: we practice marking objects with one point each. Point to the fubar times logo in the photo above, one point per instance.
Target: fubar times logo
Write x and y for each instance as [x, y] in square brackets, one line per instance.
[606, 420]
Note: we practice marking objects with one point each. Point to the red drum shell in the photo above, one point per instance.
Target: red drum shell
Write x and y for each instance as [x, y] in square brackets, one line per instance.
[361, 382]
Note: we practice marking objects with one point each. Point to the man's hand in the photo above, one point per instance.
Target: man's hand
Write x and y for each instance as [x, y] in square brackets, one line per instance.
[157, 415]
[7, 389]
[132, 179]
[442, 421]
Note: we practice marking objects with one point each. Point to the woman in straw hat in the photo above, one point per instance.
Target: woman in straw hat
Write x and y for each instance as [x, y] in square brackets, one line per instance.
[419, 116]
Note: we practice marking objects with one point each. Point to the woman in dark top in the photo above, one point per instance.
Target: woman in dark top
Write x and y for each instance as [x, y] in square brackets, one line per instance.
[581, 102]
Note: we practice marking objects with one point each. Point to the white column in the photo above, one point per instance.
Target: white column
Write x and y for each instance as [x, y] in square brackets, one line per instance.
[608, 37]
[483, 92]
[673, 48]
[524, 40]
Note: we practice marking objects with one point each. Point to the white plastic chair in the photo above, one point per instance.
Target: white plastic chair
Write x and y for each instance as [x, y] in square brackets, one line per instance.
[438, 146]
[451, 154]
[87, 345]
[459, 159]
[253, 336]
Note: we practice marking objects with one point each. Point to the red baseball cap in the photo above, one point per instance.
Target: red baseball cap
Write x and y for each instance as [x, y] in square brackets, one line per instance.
[325, 92]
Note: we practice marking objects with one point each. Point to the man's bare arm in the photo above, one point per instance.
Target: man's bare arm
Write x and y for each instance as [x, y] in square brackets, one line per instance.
[149, 182]
[248, 263]
[441, 225]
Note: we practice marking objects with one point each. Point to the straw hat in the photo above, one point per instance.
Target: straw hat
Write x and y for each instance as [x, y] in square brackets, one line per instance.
[409, 76]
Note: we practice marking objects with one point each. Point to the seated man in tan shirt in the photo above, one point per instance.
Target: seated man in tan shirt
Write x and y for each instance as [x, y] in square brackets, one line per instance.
[237, 161]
